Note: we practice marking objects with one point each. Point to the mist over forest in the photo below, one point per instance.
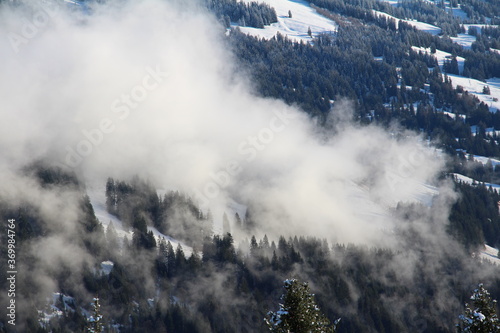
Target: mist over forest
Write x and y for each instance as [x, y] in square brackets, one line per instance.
[165, 160]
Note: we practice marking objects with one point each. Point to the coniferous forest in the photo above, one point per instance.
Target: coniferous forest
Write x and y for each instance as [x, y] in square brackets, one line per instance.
[159, 263]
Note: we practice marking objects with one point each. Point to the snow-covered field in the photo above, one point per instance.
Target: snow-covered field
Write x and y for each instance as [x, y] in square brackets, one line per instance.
[464, 40]
[296, 27]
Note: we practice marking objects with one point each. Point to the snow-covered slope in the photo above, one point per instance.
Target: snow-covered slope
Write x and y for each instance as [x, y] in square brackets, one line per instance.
[484, 160]
[476, 87]
[441, 57]
[473, 86]
[468, 180]
[491, 254]
[432, 29]
[98, 201]
[296, 27]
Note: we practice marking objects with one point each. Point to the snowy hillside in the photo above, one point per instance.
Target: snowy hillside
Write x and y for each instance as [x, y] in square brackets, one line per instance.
[296, 28]
[473, 86]
[491, 254]
[98, 201]
[476, 87]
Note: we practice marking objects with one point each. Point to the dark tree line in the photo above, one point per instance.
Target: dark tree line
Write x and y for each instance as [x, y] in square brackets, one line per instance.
[475, 218]
[254, 14]
[163, 287]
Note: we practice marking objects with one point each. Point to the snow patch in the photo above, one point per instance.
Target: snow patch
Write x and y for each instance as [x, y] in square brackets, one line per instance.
[454, 115]
[106, 267]
[464, 40]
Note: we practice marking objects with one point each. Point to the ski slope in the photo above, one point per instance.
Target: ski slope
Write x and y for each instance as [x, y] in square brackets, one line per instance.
[296, 27]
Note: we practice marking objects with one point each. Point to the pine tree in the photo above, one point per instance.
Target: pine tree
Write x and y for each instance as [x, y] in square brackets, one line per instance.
[111, 196]
[480, 316]
[194, 261]
[180, 258]
[95, 324]
[254, 247]
[170, 259]
[299, 312]
[112, 238]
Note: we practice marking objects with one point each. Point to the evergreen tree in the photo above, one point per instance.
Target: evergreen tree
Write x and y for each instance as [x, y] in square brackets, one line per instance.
[194, 261]
[112, 238]
[170, 259]
[95, 324]
[180, 258]
[254, 247]
[480, 316]
[299, 312]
